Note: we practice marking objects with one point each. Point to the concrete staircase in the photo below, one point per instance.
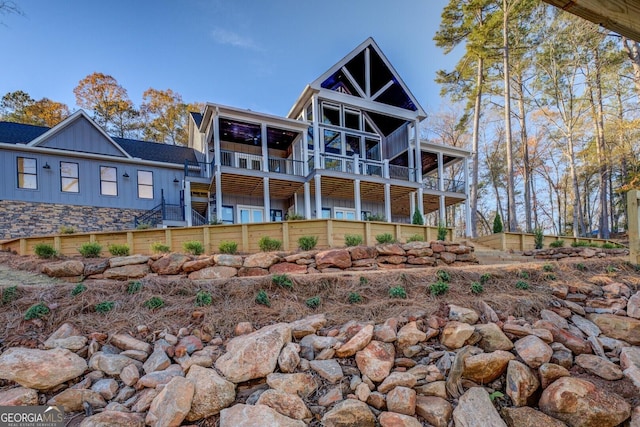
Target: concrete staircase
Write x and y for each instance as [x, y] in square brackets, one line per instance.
[487, 255]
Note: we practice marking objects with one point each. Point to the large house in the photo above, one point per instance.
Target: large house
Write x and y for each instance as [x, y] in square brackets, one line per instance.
[349, 148]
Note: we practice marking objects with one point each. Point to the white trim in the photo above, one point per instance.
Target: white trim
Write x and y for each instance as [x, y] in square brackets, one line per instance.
[353, 82]
[66, 122]
[382, 89]
[251, 209]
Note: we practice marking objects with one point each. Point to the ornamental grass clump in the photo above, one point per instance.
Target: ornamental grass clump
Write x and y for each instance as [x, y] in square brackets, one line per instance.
[45, 251]
[268, 244]
[119, 250]
[353, 240]
[36, 311]
[193, 247]
[228, 247]
[306, 243]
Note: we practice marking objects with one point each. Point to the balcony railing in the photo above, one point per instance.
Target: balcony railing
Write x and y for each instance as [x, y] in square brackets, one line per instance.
[450, 185]
[198, 169]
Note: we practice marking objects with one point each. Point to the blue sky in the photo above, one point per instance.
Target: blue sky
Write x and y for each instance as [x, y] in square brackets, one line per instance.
[252, 54]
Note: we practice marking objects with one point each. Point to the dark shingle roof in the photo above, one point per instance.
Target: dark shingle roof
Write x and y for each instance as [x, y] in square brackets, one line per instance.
[197, 118]
[18, 133]
[156, 152]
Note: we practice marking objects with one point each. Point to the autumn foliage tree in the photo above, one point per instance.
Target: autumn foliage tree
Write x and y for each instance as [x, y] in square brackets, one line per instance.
[19, 107]
[165, 116]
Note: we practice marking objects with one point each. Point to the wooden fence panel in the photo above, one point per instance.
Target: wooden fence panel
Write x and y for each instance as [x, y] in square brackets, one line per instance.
[633, 214]
[143, 240]
[298, 229]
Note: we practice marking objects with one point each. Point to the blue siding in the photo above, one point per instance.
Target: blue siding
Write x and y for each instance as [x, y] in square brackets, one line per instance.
[48, 190]
[81, 136]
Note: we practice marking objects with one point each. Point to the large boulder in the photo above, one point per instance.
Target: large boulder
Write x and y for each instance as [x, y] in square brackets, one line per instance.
[40, 369]
[529, 417]
[261, 260]
[64, 269]
[580, 403]
[213, 273]
[486, 367]
[212, 393]
[172, 404]
[599, 366]
[122, 261]
[349, 412]
[286, 404]
[255, 416]
[454, 334]
[522, 383]
[618, 327]
[125, 272]
[114, 419]
[333, 258]
[376, 360]
[111, 364]
[254, 355]
[19, 396]
[169, 264]
[73, 399]
[533, 351]
[356, 343]
[492, 338]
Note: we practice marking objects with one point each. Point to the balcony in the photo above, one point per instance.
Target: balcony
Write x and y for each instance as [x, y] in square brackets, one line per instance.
[449, 185]
[356, 165]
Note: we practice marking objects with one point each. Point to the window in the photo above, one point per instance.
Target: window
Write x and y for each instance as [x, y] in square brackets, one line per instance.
[250, 214]
[108, 181]
[69, 182]
[331, 114]
[145, 184]
[332, 142]
[27, 173]
[364, 215]
[276, 215]
[326, 213]
[227, 214]
[344, 213]
[352, 119]
[248, 161]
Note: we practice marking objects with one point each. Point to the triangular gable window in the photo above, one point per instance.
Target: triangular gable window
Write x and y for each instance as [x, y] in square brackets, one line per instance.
[340, 83]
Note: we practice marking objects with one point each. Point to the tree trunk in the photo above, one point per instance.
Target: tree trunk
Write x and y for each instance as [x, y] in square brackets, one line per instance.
[474, 148]
[633, 52]
[525, 155]
[578, 219]
[512, 222]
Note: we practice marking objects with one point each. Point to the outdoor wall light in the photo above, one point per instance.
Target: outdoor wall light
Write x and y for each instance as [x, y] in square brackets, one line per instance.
[125, 175]
[46, 166]
[175, 180]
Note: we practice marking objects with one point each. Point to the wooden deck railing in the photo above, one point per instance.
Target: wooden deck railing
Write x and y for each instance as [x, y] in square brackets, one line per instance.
[330, 233]
[633, 215]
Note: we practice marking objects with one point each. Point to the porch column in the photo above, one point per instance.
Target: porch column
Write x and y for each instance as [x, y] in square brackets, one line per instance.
[307, 200]
[421, 202]
[412, 204]
[218, 179]
[418, 153]
[217, 155]
[387, 201]
[441, 210]
[265, 149]
[316, 132]
[467, 203]
[267, 199]
[318, 182]
[356, 197]
[187, 203]
[410, 157]
[305, 154]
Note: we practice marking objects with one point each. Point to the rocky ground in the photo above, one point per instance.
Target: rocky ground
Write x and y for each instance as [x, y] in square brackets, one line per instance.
[563, 351]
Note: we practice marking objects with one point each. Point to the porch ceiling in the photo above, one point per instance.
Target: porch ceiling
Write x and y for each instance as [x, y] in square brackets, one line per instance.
[252, 186]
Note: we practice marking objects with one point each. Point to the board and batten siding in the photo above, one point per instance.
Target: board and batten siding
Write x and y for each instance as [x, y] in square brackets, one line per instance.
[49, 187]
[81, 136]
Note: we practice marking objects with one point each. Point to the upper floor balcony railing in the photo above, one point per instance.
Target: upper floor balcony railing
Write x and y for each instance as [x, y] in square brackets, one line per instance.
[450, 185]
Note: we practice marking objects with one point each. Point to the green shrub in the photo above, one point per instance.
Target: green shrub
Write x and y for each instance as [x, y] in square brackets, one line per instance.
[477, 288]
[154, 303]
[228, 247]
[353, 239]
[66, 229]
[484, 278]
[104, 306]
[416, 238]
[193, 247]
[119, 250]
[293, 217]
[313, 302]
[44, 250]
[36, 311]
[133, 287]
[160, 248]
[443, 276]
[143, 226]
[417, 218]
[282, 280]
[203, 298]
[439, 288]
[524, 275]
[80, 288]
[90, 250]
[498, 227]
[583, 244]
[550, 276]
[263, 298]
[306, 243]
[547, 267]
[267, 244]
[557, 243]
[496, 395]
[354, 298]
[442, 231]
[363, 280]
[375, 217]
[611, 269]
[538, 238]
[609, 245]
[397, 292]
[9, 294]
[385, 238]
[521, 284]
[215, 221]
[581, 267]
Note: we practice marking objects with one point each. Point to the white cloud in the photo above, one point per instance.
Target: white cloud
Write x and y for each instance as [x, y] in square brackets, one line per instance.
[230, 38]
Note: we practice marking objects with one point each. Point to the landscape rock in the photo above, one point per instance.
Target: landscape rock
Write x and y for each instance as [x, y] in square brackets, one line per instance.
[288, 268]
[633, 306]
[410, 335]
[254, 355]
[575, 343]
[522, 383]
[462, 314]
[618, 327]
[529, 417]
[454, 334]
[339, 258]
[486, 367]
[402, 400]
[256, 416]
[113, 419]
[435, 410]
[476, 410]
[40, 369]
[127, 260]
[172, 404]
[392, 419]
[396, 379]
[289, 358]
[64, 269]
[356, 343]
[130, 375]
[286, 404]
[110, 364]
[599, 366]
[492, 338]
[347, 413]
[630, 356]
[106, 387]
[302, 384]
[169, 264]
[228, 260]
[533, 351]
[72, 399]
[213, 273]
[157, 361]
[328, 369]
[261, 260]
[212, 393]
[549, 372]
[580, 403]
[376, 360]
[19, 396]
[127, 342]
[586, 326]
[135, 271]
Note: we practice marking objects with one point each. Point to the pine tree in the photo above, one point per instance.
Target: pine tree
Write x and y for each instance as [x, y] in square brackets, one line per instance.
[497, 224]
